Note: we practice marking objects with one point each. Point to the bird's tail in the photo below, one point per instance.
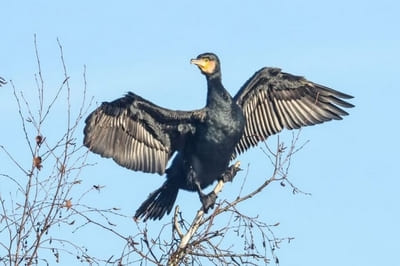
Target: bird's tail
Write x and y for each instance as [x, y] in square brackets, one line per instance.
[158, 203]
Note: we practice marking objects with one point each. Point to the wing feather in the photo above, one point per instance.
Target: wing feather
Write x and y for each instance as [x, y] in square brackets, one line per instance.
[272, 100]
[136, 133]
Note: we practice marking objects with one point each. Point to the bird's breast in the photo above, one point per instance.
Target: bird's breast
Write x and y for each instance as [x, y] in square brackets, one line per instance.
[223, 127]
[215, 142]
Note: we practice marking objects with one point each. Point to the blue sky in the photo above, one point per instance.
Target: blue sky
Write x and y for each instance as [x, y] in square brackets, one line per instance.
[349, 166]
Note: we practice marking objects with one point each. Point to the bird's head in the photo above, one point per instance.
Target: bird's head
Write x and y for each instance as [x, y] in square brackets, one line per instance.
[208, 64]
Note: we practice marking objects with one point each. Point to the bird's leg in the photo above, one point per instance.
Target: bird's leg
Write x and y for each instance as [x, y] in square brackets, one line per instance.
[231, 172]
[207, 200]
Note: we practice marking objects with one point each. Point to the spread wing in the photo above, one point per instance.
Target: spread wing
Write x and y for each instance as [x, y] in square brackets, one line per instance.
[273, 100]
[138, 134]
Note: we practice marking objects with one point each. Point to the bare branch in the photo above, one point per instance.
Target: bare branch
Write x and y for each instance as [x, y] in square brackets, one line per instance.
[44, 189]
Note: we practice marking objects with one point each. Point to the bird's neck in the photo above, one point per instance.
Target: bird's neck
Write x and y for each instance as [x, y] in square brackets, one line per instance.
[216, 90]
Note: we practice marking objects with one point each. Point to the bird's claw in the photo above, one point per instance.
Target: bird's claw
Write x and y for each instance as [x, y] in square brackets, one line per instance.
[208, 201]
[231, 172]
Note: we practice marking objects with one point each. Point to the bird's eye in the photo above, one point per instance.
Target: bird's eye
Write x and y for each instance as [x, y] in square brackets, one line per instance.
[206, 59]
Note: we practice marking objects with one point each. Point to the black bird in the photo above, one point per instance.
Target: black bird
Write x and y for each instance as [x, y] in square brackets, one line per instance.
[142, 136]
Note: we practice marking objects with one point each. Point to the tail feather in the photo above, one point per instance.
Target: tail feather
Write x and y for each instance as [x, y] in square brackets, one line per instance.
[158, 203]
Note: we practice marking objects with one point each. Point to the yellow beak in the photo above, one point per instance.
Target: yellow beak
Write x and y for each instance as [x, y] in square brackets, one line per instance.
[198, 62]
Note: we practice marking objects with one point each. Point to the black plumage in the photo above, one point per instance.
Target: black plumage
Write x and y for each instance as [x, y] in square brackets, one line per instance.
[142, 136]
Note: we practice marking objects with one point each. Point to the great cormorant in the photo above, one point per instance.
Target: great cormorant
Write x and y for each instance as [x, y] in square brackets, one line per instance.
[142, 136]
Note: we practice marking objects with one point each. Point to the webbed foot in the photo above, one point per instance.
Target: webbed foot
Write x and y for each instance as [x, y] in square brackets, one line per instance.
[231, 172]
[208, 200]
